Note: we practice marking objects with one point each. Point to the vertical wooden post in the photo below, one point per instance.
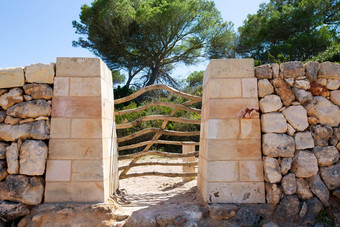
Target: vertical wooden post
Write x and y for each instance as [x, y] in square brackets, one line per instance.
[187, 148]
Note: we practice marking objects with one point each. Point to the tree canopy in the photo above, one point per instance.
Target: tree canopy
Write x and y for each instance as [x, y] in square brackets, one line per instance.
[290, 29]
[147, 38]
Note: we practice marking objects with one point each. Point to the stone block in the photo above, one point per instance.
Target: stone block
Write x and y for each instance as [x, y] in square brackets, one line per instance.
[12, 77]
[250, 129]
[88, 87]
[224, 68]
[224, 88]
[222, 171]
[273, 122]
[58, 170]
[249, 88]
[40, 73]
[61, 86]
[78, 67]
[222, 129]
[251, 171]
[87, 170]
[86, 128]
[107, 109]
[235, 192]
[80, 107]
[33, 155]
[329, 70]
[60, 128]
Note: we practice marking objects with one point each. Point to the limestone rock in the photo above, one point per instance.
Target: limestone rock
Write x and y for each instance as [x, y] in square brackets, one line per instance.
[290, 81]
[3, 150]
[336, 193]
[319, 189]
[12, 97]
[292, 69]
[278, 145]
[321, 81]
[273, 193]
[273, 122]
[314, 205]
[34, 130]
[263, 72]
[289, 184]
[33, 154]
[313, 120]
[10, 211]
[26, 120]
[302, 96]
[297, 117]
[12, 155]
[321, 134]
[335, 97]
[30, 109]
[28, 97]
[289, 207]
[302, 189]
[270, 103]
[3, 170]
[39, 73]
[246, 217]
[290, 130]
[284, 91]
[312, 69]
[303, 140]
[11, 120]
[329, 70]
[326, 156]
[303, 210]
[276, 70]
[2, 116]
[324, 110]
[319, 90]
[286, 164]
[264, 88]
[335, 137]
[304, 164]
[222, 211]
[271, 168]
[333, 84]
[12, 77]
[302, 84]
[3, 91]
[20, 188]
[331, 176]
[39, 91]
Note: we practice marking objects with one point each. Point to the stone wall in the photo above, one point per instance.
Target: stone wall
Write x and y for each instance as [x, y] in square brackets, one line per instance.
[25, 110]
[300, 119]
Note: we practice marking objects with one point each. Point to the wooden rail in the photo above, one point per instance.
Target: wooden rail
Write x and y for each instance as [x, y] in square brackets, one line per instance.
[127, 147]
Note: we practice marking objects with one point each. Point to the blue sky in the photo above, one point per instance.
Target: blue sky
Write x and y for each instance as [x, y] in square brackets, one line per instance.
[33, 31]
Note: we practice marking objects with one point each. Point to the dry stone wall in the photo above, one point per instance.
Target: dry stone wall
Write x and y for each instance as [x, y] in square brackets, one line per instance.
[300, 123]
[25, 109]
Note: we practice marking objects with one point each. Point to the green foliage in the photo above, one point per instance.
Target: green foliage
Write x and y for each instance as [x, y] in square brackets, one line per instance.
[324, 217]
[290, 29]
[148, 37]
[194, 83]
[331, 54]
[117, 77]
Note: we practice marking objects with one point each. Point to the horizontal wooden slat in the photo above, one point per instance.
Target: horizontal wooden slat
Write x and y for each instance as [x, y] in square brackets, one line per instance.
[159, 164]
[157, 174]
[157, 142]
[159, 153]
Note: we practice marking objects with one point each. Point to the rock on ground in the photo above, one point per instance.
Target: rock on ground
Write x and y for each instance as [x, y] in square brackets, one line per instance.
[10, 211]
[278, 145]
[297, 117]
[331, 176]
[304, 164]
[33, 155]
[30, 109]
[326, 156]
[288, 207]
[222, 211]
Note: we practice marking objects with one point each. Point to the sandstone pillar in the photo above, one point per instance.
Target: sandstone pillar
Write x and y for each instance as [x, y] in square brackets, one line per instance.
[82, 162]
[230, 164]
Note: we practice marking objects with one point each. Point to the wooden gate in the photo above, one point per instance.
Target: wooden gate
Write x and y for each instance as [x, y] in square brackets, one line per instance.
[158, 132]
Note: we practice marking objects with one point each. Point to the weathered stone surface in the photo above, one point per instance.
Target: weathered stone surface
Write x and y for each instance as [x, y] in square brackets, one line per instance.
[304, 164]
[302, 96]
[270, 103]
[39, 91]
[12, 155]
[273, 122]
[278, 145]
[321, 81]
[336, 193]
[297, 117]
[34, 130]
[10, 211]
[302, 84]
[3, 150]
[314, 205]
[284, 91]
[302, 189]
[336, 136]
[303, 210]
[321, 134]
[40, 73]
[329, 70]
[26, 120]
[12, 97]
[246, 217]
[11, 120]
[3, 91]
[292, 69]
[272, 173]
[20, 188]
[276, 70]
[84, 215]
[335, 97]
[290, 130]
[326, 156]
[289, 207]
[319, 90]
[313, 120]
[312, 69]
[12, 77]
[28, 97]
[2, 116]
[263, 72]
[290, 81]
[273, 193]
[324, 110]
[30, 109]
[264, 88]
[286, 164]
[303, 140]
[331, 176]
[33, 154]
[222, 211]
[319, 189]
[289, 184]
[3, 170]
[333, 84]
